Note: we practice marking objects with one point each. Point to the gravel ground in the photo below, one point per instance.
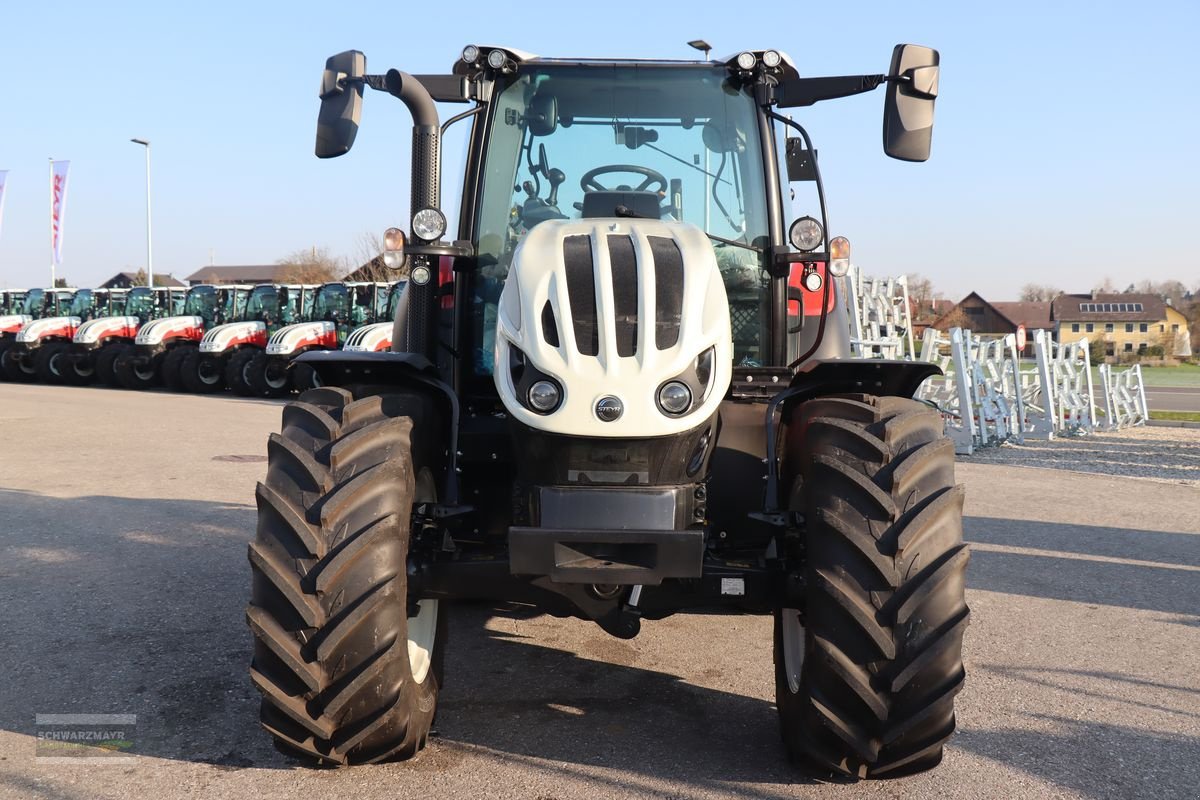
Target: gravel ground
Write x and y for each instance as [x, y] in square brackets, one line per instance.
[1164, 454]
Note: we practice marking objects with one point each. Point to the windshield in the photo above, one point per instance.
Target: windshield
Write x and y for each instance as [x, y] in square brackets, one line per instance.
[80, 303]
[201, 302]
[263, 304]
[33, 302]
[140, 302]
[332, 302]
[679, 141]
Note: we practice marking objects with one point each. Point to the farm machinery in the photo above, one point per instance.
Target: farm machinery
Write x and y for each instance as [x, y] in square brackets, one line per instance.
[227, 350]
[161, 345]
[621, 391]
[39, 349]
[376, 337]
[98, 343]
[338, 308]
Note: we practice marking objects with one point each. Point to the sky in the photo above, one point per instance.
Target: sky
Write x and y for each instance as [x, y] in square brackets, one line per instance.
[1064, 151]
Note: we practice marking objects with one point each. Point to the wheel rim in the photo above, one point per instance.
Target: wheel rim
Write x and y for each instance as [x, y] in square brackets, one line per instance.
[275, 376]
[143, 373]
[83, 369]
[55, 358]
[208, 373]
[793, 647]
[422, 629]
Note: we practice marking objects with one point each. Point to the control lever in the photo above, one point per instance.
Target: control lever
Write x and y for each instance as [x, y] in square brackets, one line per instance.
[529, 190]
[556, 177]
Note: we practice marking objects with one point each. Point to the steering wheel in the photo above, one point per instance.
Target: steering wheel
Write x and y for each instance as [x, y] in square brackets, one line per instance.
[589, 184]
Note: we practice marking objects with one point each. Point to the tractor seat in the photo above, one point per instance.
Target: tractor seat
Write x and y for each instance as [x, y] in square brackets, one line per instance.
[604, 204]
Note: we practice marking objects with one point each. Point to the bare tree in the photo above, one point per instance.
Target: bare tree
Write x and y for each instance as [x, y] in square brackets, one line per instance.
[368, 259]
[921, 294]
[1037, 293]
[1106, 286]
[956, 318]
[311, 265]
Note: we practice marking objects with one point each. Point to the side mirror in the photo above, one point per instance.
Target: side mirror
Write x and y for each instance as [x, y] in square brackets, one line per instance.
[908, 103]
[542, 115]
[801, 162]
[341, 103]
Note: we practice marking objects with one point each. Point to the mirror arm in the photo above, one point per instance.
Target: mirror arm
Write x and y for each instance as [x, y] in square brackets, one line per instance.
[807, 91]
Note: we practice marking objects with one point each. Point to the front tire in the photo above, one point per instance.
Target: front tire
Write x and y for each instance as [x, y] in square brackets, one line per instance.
[106, 361]
[15, 369]
[268, 375]
[133, 374]
[346, 675]
[866, 679]
[50, 363]
[236, 372]
[201, 373]
[172, 366]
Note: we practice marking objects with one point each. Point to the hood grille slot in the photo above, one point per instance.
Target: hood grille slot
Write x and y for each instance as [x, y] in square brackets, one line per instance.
[581, 291]
[668, 290]
[623, 261]
[549, 325]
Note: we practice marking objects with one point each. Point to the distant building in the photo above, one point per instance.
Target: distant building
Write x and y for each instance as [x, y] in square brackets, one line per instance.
[997, 319]
[124, 280]
[1127, 323]
[264, 273]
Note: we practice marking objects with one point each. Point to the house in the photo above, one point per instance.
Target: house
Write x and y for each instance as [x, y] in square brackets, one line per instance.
[997, 319]
[124, 280]
[264, 273]
[1126, 323]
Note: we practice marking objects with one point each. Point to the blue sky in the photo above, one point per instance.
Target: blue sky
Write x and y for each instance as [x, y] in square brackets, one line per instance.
[1064, 151]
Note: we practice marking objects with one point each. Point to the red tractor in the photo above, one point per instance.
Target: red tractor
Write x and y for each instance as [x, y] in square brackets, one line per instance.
[338, 308]
[39, 351]
[17, 307]
[99, 342]
[162, 344]
[227, 350]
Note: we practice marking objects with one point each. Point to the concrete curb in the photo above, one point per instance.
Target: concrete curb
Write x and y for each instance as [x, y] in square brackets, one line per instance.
[1172, 423]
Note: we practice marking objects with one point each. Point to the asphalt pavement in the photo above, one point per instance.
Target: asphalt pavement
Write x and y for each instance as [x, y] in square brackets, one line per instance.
[1173, 398]
[124, 519]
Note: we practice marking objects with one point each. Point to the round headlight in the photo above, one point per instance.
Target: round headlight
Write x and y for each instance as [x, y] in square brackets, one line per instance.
[470, 54]
[496, 59]
[772, 59]
[675, 397]
[544, 396]
[746, 61]
[839, 256]
[420, 275]
[429, 224]
[806, 234]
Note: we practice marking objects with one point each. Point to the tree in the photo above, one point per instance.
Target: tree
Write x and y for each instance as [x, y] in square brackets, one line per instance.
[311, 265]
[139, 279]
[956, 318]
[1037, 293]
[1106, 286]
[369, 255]
[60, 283]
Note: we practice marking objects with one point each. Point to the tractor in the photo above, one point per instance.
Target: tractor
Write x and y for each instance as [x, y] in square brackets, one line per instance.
[17, 308]
[11, 301]
[40, 347]
[338, 308]
[377, 336]
[98, 343]
[227, 350]
[162, 344]
[624, 389]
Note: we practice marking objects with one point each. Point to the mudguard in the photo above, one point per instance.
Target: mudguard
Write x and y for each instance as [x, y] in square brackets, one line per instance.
[158, 331]
[374, 338]
[406, 370]
[12, 323]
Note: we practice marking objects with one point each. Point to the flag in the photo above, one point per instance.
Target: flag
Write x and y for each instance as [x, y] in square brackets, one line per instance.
[58, 195]
[3, 178]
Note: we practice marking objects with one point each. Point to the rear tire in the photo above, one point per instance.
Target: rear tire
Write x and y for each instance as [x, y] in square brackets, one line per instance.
[236, 372]
[172, 366]
[346, 675]
[304, 377]
[866, 679]
[106, 359]
[80, 370]
[268, 376]
[201, 373]
[15, 370]
[50, 363]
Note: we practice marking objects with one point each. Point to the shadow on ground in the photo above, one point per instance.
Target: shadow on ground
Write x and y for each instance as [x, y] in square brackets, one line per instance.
[1170, 459]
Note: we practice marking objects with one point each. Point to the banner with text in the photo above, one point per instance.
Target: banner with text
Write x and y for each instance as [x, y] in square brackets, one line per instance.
[58, 194]
[3, 180]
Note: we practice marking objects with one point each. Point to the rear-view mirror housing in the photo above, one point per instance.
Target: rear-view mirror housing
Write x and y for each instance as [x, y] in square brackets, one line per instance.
[341, 103]
[908, 102]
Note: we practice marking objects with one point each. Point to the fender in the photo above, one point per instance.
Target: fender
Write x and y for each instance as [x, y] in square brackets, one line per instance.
[158, 331]
[374, 338]
[234, 334]
[302, 335]
[51, 327]
[12, 323]
[405, 370]
[97, 330]
[874, 376]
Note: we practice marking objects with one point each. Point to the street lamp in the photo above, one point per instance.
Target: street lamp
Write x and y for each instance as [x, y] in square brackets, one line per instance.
[149, 253]
[701, 45]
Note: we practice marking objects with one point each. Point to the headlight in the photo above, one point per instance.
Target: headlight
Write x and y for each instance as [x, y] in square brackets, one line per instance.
[544, 396]
[839, 256]
[429, 224]
[674, 397]
[806, 234]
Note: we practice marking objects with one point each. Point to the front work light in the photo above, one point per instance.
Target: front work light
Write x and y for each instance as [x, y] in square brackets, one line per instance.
[806, 234]
[429, 224]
